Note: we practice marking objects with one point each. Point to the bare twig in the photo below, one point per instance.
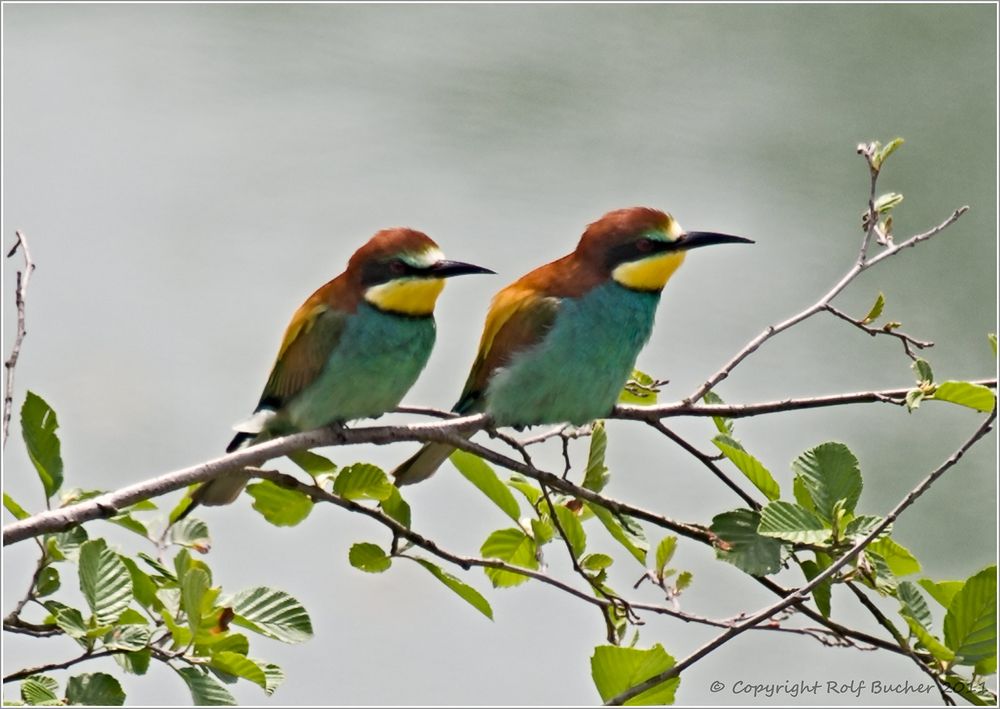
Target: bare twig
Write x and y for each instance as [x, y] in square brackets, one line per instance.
[39, 669]
[862, 264]
[662, 411]
[20, 297]
[907, 340]
[707, 462]
[802, 592]
[879, 616]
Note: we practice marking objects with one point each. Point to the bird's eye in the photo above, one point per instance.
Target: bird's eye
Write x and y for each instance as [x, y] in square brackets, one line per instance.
[397, 267]
[644, 245]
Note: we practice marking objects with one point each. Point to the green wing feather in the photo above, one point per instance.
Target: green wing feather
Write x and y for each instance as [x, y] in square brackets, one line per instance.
[312, 335]
[519, 318]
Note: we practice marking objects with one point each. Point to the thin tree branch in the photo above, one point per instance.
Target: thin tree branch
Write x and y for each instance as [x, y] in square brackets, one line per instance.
[802, 592]
[707, 462]
[907, 340]
[879, 616]
[39, 669]
[111, 503]
[662, 411]
[861, 265]
[20, 297]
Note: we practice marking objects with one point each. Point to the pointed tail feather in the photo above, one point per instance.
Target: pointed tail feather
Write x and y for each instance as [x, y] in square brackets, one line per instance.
[422, 464]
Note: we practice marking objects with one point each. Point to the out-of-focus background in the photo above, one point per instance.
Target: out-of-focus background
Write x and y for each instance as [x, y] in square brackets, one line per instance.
[188, 174]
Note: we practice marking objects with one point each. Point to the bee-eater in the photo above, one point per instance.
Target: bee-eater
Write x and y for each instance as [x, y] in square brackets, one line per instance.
[353, 349]
[560, 343]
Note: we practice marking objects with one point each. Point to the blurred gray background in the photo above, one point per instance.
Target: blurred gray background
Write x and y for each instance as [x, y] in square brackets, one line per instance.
[188, 174]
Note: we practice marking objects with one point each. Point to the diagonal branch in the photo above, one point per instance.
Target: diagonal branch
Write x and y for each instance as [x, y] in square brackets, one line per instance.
[20, 296]
[802, 592]
[861, 265]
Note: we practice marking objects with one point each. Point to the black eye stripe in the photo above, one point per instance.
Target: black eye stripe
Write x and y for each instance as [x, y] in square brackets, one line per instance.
[634, 250]
[385, 271]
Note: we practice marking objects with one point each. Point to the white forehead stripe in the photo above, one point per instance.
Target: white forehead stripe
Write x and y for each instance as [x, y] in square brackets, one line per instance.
[426, 258]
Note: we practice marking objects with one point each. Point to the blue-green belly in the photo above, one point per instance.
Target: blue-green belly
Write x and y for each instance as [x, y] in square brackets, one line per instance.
[576, 373]
[377, 359]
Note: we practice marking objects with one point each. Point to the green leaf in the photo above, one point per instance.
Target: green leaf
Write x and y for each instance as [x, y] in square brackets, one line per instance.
[274, 674]
[974, 396]
[542, 530]
[465, 591]
[901, 562]
[967, 691]
[913, 399]
[38, 428]
[369, 557]
[194, 586]
[128, 637]
[272, 613]
[992, 337]
[226, 642]
[879, 575]
[922, 368]
[625, 530]
[793, 523]
[942, 591]
[157, 567]
[71, 622]
[880, 157]
[914, 605]
[616, 669]
[14, 508]
[476, 471]
[596, 476]
[931, 643]
[48, 581]
[104, 580]
[205, 689]
[801, 494]
[312, 463]
[363, 481]
[970, 627]
[39, 689]
[748, 465]
[130, 523]
[192, 533]
[94, 689]
[640, 389]
[135, 663]
[281, 506]
[513, 546]
[888, 202]
[830, 472]
[875, 311]
[742, 546]
[239, 666]
[397, 508]
[664, 553]
[722, 424]
[572, 529]
[863, 525]
[596, 562]
[822, 593]
[143, 587]
[531, 493]
[684, 579]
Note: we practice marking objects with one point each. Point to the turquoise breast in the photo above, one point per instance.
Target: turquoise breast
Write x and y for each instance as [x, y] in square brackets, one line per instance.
[377, 359]
[576, 373]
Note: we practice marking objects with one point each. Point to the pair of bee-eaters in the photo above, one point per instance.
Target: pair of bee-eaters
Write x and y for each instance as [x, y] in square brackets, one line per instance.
[558, 346]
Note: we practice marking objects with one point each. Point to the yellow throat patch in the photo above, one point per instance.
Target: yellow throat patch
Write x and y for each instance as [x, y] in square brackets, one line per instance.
[650, 273]
[407, 296]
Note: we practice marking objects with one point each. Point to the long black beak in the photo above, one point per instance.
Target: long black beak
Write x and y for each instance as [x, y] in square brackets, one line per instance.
[696, 239]
[447, 269]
